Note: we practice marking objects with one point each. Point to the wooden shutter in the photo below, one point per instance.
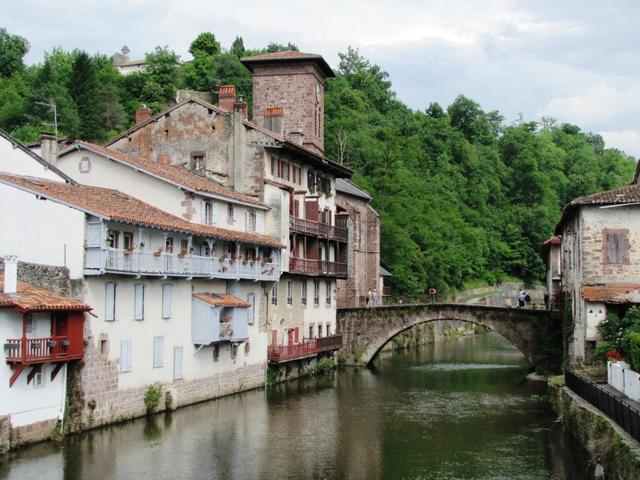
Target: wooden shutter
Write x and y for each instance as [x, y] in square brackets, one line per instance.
[95, 235]
[110, 302]
[214, 212]
[258, 222]
[158, 348]
[177, 363]
[296, 337]
[311, 208]
[274, 337]
[247, 221]
[251, 298]
[204, 220]
[126, 355]
[166, 301]
[138, 301]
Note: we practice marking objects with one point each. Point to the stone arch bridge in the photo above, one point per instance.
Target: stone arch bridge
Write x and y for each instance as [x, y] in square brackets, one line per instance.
[366, 330]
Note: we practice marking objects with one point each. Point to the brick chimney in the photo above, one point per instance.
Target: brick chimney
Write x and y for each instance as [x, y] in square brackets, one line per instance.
[296, 137]
[227, 97]
[274, 120]
[49, 148]
[142, 114]
[10, 274]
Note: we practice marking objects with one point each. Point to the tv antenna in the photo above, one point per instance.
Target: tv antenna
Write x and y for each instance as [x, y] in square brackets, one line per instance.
[53, 108]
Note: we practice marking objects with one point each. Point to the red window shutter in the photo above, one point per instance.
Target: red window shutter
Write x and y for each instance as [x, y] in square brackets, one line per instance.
[297, 335]
[274, 337]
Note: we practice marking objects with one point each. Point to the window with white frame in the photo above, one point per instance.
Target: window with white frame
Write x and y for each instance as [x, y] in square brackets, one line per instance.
[138, 301]
[289, 292]
[311, 333]
[250, 225]
[319, 330]
[231, 214]
[303, 292]
[274, 295]
[158, 351]
[166, 300]
[109, 301]
[85, 165]
[38, 379]
[316, 292]
[207, 213]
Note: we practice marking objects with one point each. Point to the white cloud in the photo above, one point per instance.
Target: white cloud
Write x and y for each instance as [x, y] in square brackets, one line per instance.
[625, 140]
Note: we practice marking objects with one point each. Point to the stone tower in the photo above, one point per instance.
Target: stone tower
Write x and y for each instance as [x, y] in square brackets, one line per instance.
[295, 82]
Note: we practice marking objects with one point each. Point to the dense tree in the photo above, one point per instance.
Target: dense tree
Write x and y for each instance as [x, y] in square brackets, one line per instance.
[13, 48]
[83, 88]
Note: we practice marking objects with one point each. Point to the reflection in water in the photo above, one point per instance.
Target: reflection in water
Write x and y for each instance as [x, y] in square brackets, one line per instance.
[459, 409]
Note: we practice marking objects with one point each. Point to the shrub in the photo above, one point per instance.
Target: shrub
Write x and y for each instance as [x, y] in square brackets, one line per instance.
[152, 397]
[632, 348]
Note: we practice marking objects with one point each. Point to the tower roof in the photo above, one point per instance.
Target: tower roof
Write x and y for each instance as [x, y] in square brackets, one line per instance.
[288, 56]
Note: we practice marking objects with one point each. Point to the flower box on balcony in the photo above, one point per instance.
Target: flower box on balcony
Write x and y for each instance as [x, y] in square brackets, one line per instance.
[51, 343]
[65, 343]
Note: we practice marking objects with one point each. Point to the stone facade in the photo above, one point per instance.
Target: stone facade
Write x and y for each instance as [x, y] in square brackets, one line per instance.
[364, 252]
[55, 279]
[299, 90]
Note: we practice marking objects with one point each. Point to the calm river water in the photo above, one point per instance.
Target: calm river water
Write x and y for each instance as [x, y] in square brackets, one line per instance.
[460, 409]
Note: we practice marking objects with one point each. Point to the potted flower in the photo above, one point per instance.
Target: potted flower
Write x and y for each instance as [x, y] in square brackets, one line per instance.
[183, 253]
[158, 252]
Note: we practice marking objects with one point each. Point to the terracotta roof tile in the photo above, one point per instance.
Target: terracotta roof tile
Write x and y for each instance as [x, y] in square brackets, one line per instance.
[117, 206]
[615, 293]
[618, 196]
[221, 300]
[173, 173]
[288, 56]
[31, 298]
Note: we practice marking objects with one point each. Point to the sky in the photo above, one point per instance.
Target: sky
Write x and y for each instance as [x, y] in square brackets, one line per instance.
[577, 61]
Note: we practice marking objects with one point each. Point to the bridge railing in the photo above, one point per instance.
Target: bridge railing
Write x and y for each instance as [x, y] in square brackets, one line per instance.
[613, 405]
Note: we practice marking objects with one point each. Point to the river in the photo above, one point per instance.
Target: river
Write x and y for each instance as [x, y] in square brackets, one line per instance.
[459, 409]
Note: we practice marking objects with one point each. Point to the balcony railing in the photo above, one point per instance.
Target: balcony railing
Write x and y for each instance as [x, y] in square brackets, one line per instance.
[310, 266]
[37, 350]
[154, 263]
[310, 227]
[331, 342]
[308, 348]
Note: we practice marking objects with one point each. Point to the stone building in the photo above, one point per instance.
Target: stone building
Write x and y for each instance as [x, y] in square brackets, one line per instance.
[364, 271]
[599, 262]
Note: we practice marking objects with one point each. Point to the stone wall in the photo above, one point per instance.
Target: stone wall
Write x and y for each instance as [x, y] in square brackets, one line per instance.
[426, 333]
[365, 252]
[5, 433]
[48, 277]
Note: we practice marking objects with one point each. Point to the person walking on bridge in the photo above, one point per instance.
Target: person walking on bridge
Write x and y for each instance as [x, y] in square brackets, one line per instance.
[521, 299]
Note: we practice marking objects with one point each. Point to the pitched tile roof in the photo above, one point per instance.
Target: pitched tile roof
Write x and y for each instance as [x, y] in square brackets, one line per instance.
[287, 56]
[618, 196]
[171, 173]
[615, 293]
[30, 298]
[221, 300]
[117, 206]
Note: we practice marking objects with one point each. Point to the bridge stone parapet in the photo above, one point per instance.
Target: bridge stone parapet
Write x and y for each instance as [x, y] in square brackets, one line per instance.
[366, 330]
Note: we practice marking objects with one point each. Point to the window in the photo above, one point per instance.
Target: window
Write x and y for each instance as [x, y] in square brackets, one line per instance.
[231, 214]
[166, 301]
[177, 363]
[251, 314]
[274, 295]
[273, 166]
[184, 246]
[127, 240]
[289, 292]
[38, 379]
[328, 329]
[29, 325]
[168, 245]
[126, 354]
[110, 302]
[616, 246]
[310, 331]
[328, 293]
[158, 348]
[316, 292]
[303, 292]
[138, 301]
[319, 330]
[250, 222]
[208, 213]
[311, 181]
[197, 162]
[112, 238]
[285, 172]
[85, 165]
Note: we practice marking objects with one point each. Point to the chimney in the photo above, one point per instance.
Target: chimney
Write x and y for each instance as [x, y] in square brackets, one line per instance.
[227, 97]
[142, 114]
[10, 274]
[274, 120]
[296, 137]
[242, 106]
[49, 148]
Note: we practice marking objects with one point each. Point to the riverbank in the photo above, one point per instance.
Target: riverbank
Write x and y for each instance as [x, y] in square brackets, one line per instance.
[612, 451]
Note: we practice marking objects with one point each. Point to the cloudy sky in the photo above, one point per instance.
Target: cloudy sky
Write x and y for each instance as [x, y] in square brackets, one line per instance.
[575, 60]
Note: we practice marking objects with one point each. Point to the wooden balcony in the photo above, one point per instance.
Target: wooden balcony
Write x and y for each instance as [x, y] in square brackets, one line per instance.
[309, 266]
[113, 260]
[31, 351]
[319, 229]
[329, 343]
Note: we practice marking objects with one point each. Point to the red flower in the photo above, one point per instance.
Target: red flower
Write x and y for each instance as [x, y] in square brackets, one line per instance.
[614, 355]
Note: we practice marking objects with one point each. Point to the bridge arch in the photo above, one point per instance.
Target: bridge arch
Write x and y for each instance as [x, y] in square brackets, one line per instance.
[366, 330]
